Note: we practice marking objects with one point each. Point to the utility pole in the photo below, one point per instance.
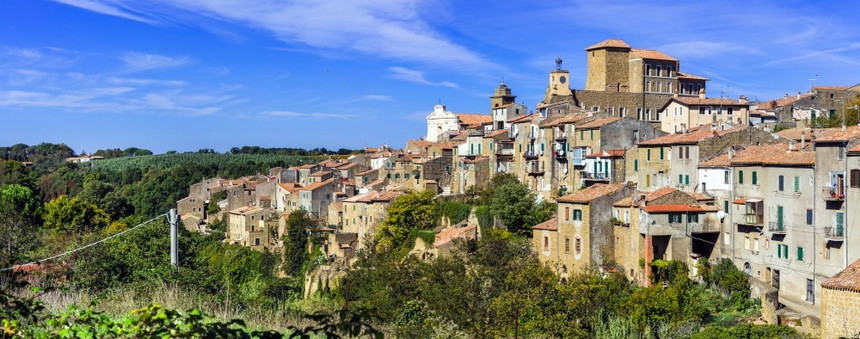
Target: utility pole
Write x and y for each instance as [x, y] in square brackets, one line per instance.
[173, 218]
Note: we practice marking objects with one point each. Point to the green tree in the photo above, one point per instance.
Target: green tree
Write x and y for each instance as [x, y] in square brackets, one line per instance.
[74, 214]
[19, 215]
[296, 241]
[511, 203]
[413, 210]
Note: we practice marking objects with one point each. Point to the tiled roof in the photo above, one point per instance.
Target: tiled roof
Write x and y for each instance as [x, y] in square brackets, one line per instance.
[368, 171]
[721, 160]
[840, 135]
[690, 76]
[614, 153]
[320, 173]
[659, 193]
[855, 149]
[696, 101]
[451, 233]
[679, 208]
[787, 100]
[474, 119]
[651, 54]
[700, 196]
[831, 88]
[795, 133]
[773, 155]
[626, 202]
[477, 159]
[521, 119]
[317, 185]
[246, 209]
[847, 279]
[569, 119]
[691, 137]
[618, 43]
[597, 123]
[495, 133]
[588, 194]
[549, 225]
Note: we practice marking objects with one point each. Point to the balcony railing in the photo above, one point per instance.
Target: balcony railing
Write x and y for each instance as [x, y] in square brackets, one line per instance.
[504, 149]
[560, 155]
[529, 155]
[775, 227]
[561, 136]
[594, 176]
[534, 168]
[834, 233]
[832, 194]
[476, 132]
[754, 219]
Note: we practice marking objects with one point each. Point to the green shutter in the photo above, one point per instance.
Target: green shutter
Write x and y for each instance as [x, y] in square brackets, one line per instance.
[778, 217]
[800, 253]
[755, 178]
[687, 179]
[680, 179]
[740, 177]
[649, 155]
[779, 251]
[661, 153]
[592, 134]
[635, 165]
[839, 222]
[797, 184]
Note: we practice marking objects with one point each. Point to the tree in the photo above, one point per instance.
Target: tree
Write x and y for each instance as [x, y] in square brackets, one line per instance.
[413, 210]
[512, 203]
[19, 213]
[296, 241]
[74, 214]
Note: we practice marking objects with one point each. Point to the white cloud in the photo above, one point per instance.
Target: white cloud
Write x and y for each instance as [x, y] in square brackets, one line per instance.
[145, 82]
[386, 28]
[137, 62]
[411, 75]
[310, 115]
[26, 55]
[377, 97]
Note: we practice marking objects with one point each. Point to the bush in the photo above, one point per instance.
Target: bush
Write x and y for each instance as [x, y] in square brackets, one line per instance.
[455, 210]
[485, 219]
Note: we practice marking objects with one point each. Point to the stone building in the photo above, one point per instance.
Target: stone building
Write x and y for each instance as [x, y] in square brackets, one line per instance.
[253, 227]
[683, 113]
[583, 236]
[840, 304]
[355, 220]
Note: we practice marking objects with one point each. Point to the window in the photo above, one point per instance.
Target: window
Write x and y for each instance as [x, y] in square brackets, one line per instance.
[546, 243]
[740, 177]
[810, 291]
[693, 217]
[626, 216]
[755, 178]
[405, 175]
[841, 153]
[256, 241]
[779, 218]
[800, 253]
[755, 244]
[746, 243]
[636, 165]
[648, 155]
[661, 153]
[726, 239]
[796, 184]
[577, 215]
[726, 206]
[674, 218]
[781, 183]
[592, 134]
[566, 213]
[687, 179]
[578, 245]
[726, 178]
[809, 217]
[855, 178]
[566, 245]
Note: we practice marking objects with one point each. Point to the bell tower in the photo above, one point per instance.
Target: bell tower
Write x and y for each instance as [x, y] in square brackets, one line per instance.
[558, 83]
[502, 96]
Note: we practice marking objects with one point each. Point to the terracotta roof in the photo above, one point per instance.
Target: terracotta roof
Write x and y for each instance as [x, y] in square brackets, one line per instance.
[371, 150]
[617, 43]
[597, 123]
[246, 210]
[451, 233]
[290, 187]
[549, 225]
[521, 119]
[696, 101]
[847, 279]
[348, 166]
[317, 185]
[787, 100]
[307, 166]
[592, 192]
[368, 171]
[770, 155]
[569, 119]
[831, 88]
[626, 202]
[691, 137]
[839, 135]
[319, 173]
[855, 149]
[651, 54]
[495, 133]
[721, 160]
[660, 192]
[474, 119]
[614, 153]
[795, 133]
[690, 76]
[679, 208]
[700, 196]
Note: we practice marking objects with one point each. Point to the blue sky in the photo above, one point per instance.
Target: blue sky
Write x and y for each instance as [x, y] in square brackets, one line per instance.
[190, 74]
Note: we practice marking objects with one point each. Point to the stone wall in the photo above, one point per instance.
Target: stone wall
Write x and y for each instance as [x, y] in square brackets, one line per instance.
[840, 313]
[629, 100]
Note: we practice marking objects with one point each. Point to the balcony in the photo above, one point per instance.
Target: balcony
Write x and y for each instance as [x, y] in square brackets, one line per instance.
[751, 219]
[578, 161]
[776, 227]
[534, 169]
[834, 233]
[476, 132]
[832, 194]
[594, 176]
[560, 155]
[561, 136]
[504, 149]
[529, 155]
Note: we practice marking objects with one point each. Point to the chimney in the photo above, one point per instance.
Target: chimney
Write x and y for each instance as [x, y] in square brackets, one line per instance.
[702, 93]
[743, 100]
[791, 146]
[675, 93]
[798, 95]
[803, 140]
[786, 95]
[731, 152]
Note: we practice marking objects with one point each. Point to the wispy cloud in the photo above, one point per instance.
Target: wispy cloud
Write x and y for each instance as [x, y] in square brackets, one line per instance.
[137, 62]
[389, 28]
[411, 75]
[109, 7]
[377, 97]
[145, 82]
[831, 54]
[310, 115]
[26, 55]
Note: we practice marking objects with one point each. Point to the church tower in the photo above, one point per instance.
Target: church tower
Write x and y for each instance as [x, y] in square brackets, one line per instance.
[558, 83]
[502, 96]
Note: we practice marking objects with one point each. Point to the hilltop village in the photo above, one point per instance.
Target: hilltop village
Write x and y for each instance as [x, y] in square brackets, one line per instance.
[643, 166]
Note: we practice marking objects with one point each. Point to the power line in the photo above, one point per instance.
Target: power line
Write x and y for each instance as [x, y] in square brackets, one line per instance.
[85, 246]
